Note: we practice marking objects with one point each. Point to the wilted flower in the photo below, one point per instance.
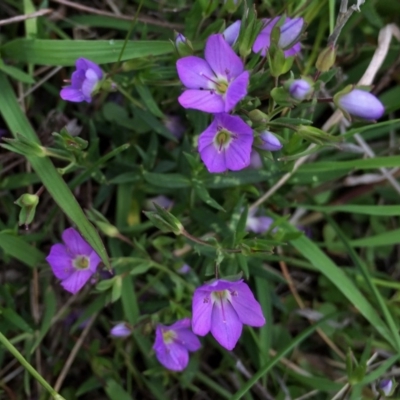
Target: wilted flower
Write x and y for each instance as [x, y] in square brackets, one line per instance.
[222, 307]
[173, 343]
[74, 262]
[267, 141]
[226, 144]
[231, 33]
[120, 330]
[84, 81]
[216, 84]
[289, 33]
[361, 104]
[257, 224]
[299, 88]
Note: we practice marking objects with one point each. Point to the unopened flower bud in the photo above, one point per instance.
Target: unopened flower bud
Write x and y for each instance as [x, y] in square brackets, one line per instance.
[386, 387]
[326, 59]
[120, 330]
[231, 33]
[183, 46]
[299, 88]
[268, 141]
[232, 5]
[359, 103]
[290, 32]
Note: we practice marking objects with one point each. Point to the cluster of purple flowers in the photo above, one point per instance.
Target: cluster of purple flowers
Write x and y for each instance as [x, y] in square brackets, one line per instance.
[220, 306]
[217, 83]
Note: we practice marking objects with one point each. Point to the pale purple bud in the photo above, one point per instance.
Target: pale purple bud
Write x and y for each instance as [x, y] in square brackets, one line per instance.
[361, 104]
[231, 33]
[290, 32]
[120, 330]
[179, 39]
[185, 269]
[386, 386]
[255, 160]
[160, 200]
[174, 124]
[299, 89]
[268, 141]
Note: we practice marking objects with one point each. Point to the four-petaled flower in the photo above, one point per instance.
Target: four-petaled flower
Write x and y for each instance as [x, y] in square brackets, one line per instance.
[226, 144]
[74, 262]
[216, 84]
[222, 307]
[84, 81]
[173, 343]
[289, 32]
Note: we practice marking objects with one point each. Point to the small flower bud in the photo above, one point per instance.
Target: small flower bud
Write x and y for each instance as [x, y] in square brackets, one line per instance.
[231, 33]
[290, 32]
[386, 387]
[268, 141]
[183, 46]
[28, 203]
[232, 5]
[120, 330]
[326, 59]
[299, 88]
[359, 103]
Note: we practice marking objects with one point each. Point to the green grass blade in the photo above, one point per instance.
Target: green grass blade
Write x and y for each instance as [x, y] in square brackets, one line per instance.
[365, 273]
[338, 277]
[44, 168]
[263, 370]
[65, 52]
[383, 211]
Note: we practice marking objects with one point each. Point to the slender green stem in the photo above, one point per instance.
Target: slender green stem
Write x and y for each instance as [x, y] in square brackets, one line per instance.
[9, 346]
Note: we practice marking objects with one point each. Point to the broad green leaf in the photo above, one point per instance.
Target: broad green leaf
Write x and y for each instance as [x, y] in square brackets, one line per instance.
[44, 168]
[65, 52]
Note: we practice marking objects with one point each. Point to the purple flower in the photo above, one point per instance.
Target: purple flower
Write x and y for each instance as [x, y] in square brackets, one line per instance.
[120, 330]
[289, 32]
[84, 81]
[73, 262]
[179, 39]
[267, 141]
[299, 89]
[360, 103]
[222, 307]
[231, 33]
[185, 269]
[216, 84]
[173, 343]
[226, 144]
[256, 224]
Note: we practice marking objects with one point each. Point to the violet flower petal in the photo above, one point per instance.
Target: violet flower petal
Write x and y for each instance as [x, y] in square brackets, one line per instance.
[94, 261]
[214, 161]
[187, 339]
[77, 79]
[76, 281]
[76, 243]
[293, 50]
[195, 73]
[231, 33]
[173, 357]
[225, 326]
[71, 94]
[203, 100]
[238, 156]
[85, 64]
[202, 308]
[221, 58]
[60, 261]
[120, 330]
[236, 91]
[246, 306]
[290, 31]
